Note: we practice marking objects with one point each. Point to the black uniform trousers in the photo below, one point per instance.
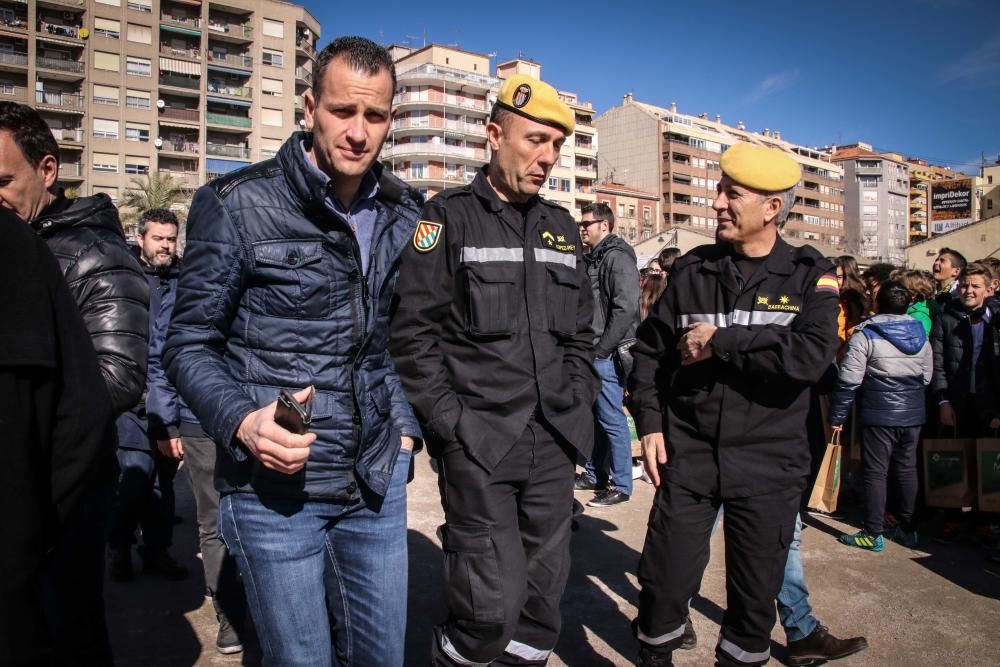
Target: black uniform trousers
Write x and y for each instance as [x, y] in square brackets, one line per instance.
[506, 542]
[757, 529]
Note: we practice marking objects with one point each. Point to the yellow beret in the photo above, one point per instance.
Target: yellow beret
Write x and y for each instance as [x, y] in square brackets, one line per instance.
[537, 101]
[760, 168]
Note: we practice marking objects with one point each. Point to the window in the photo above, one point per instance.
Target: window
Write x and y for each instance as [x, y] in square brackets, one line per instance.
[564, 184]
[621, 210]
[136, 164]
[136, 99]
[418, 170]
[274, 28]
[136, 131]
[138, 66]
[989, 180]
[553, 183]
[107, 28]
[107, 61]
[106, 162]
[113, 3]
[105, 129]
[645, 213]
[105, 95]
[140, 34]
[870, 209]
[274, 58]
[270, 117]
[631, 210]
[989, 203]
[869, 164]
[869, 195]
[269, 147]
[141, 5]
[111, 192]
[271, 87]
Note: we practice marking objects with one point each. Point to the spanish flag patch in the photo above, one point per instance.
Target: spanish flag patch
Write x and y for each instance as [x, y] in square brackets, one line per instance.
[426, 237]
[828, 282]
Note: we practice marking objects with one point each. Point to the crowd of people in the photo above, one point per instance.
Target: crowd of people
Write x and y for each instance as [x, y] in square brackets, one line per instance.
[326, 324]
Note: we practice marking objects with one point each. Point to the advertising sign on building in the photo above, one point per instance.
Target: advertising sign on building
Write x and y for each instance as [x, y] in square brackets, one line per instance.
[951, 204]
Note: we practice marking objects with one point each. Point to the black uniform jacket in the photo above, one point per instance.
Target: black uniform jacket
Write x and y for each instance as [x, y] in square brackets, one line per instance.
[493, 322]
[736, 423]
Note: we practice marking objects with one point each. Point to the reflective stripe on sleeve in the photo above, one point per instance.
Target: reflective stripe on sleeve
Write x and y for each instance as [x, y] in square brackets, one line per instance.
[470, 255]
[450, 650]
[742, 317]
[554, 257]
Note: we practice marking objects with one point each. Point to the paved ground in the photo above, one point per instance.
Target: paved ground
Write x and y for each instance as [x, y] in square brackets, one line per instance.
[939, 606]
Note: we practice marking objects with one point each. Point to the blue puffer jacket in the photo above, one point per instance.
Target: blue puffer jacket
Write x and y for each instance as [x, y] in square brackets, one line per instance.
[889, 358]
[272, 295]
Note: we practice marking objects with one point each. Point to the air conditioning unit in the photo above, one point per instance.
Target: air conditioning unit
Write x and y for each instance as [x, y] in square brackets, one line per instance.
[158, 142]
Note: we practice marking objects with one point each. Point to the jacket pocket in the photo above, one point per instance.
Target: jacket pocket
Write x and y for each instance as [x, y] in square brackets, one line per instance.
[563, 300]
[290, 279]
[491, 300]
[472, 576]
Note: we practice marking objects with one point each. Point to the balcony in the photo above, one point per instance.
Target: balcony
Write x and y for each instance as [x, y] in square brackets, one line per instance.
[71, 66]
[432, 149]
[305, 47]
[65, 134]
[184, 22]
[75, 4]
[190, 54]
[300, 103]
[174, 113]
[586, 149]
[178, 81]
[432, 73]
[15, 93]
[304, 75]
[230, 30]
[224, 150]
[69, 171]
[15, 23]
[232, 91]
[433, 123]
[175, 146]
[186, 179]
[234, 59]
[212, 118]
[437, 99]
[59, 99]
[57, 30]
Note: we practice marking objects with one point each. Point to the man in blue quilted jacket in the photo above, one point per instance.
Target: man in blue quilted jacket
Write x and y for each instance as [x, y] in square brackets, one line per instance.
[289, 271]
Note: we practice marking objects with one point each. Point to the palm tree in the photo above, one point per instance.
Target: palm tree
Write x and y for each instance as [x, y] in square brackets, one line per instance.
[158, 191]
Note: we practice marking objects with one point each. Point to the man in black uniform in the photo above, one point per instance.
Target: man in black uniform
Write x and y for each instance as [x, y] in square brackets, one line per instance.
[720, 392]
[492, 340]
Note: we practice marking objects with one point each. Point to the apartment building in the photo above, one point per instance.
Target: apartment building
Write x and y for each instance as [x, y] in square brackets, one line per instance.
[635, 211]
[444, 98]
[676, 156]
[990, 178]
[922, 175]
[192, 88]
[877, 202]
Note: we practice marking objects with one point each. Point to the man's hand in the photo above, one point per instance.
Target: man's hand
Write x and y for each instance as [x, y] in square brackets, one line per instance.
[947, 414]
[406, 443]
[694, 345]
[654, 455]
[275, 447]
[171, 448]
[837, 428]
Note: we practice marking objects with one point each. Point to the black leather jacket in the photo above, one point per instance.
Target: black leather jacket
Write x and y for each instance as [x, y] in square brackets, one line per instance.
[108, 284]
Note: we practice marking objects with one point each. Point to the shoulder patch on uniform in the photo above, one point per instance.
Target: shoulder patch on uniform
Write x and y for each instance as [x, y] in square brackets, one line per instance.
[426, 236]
[828, 282]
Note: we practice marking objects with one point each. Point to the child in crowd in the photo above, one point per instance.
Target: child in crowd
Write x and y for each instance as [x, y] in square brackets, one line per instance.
[921, 286]
[889, 359]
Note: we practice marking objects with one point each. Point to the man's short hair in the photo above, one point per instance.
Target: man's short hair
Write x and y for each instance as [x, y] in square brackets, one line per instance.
[361, 53]
[976, 269]
[161, 215]
[893, 298]
[993, 264]
[787, 201]
[957, 259]
[667, 258]
[881, 272]
[30, 132]
[600, 211]
[921, 284]
[501, 116]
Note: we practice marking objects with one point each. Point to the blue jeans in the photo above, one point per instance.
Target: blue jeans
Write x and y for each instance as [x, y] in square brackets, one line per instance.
[794, 609]
[326, 582]
[611, 464]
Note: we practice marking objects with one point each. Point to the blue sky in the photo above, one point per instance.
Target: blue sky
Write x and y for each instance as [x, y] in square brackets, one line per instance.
[920, 77]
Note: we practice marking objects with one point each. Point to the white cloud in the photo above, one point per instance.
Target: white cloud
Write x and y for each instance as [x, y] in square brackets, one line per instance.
[770, 86]
[979, 67]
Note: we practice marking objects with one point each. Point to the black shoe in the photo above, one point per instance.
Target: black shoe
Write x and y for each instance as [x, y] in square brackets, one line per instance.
[651, 656]
[583, 482]
[120, 568]
[821, 646]
[690, 638]
[161, 564]
[227, 642]
[608, 498]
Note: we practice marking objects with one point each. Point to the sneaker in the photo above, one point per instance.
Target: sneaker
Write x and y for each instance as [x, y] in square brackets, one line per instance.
[227, 642]
[161, 564]
[584, 482]
[120, 567]
[863, 540]
[908, 538]
[607, 498]
[821, 646]
[689, 639]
